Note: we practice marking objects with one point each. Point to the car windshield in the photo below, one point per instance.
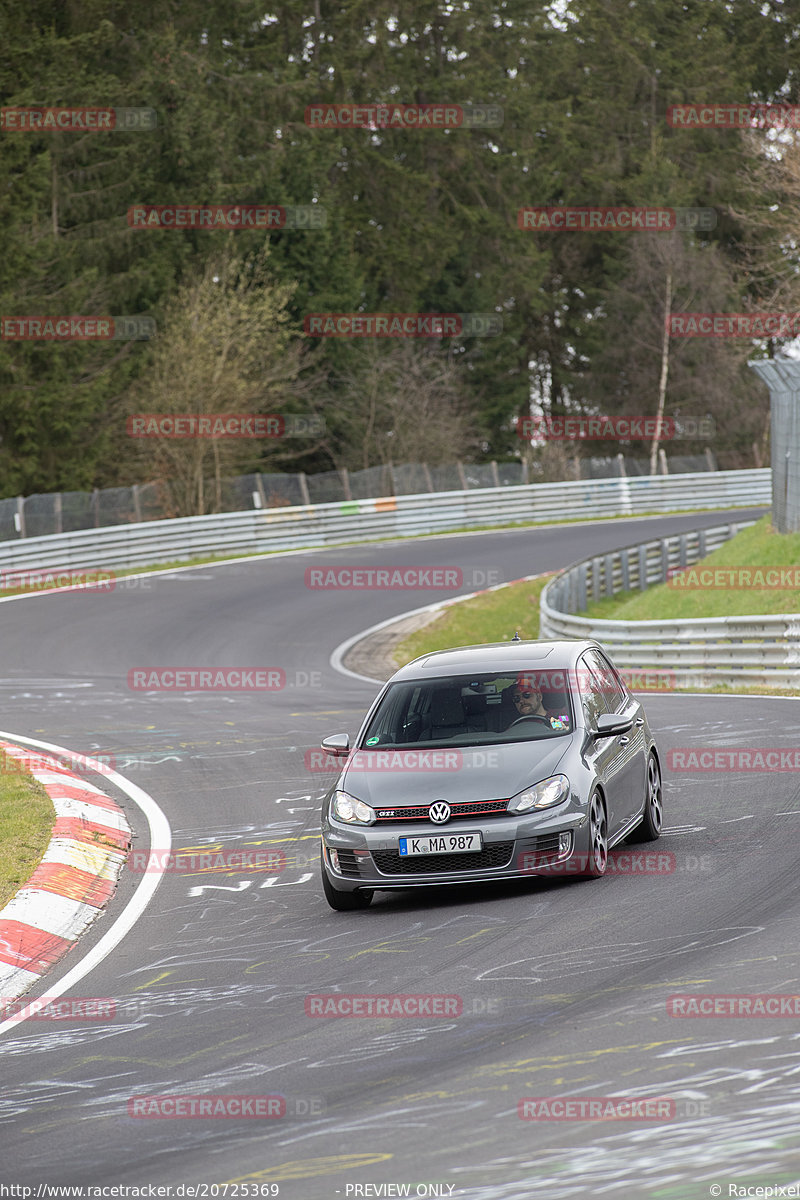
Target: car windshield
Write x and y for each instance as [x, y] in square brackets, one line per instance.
[475, 710]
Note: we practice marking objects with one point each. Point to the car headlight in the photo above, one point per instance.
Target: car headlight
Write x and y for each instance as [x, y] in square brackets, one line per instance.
[353, 812]
[542, 795]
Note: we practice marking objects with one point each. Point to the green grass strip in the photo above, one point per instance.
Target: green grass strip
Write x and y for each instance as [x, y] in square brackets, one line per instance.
[758, 546]
[26, 823]
[491, 617]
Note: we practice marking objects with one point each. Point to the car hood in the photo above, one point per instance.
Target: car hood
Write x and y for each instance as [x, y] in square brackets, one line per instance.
[408, 778]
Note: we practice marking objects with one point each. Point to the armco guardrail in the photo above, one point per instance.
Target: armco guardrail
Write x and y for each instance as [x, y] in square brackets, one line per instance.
[696, 652]
[295, 528]
[42, 514]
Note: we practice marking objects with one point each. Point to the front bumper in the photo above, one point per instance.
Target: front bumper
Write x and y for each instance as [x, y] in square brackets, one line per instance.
[513, 848]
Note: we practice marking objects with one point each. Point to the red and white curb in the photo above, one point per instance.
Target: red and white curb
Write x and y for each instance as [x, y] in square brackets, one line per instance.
[74, 881]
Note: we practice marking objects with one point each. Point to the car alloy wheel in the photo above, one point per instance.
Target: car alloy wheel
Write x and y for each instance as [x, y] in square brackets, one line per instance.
[653, 817]
[598, 839]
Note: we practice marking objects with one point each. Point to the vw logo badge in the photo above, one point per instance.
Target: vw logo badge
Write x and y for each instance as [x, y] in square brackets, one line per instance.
[439, 812]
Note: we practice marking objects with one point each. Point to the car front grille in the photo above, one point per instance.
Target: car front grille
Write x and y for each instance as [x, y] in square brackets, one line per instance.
[458, 809]
[493, 856]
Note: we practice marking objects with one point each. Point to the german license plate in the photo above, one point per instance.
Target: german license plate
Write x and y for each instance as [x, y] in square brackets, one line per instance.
[441, 843]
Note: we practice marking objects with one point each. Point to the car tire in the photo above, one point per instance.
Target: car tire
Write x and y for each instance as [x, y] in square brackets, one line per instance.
[598, 839]
[650, 827]
[344, 901]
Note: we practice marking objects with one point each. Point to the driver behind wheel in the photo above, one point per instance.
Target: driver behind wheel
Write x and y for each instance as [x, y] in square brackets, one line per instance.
[526, 696]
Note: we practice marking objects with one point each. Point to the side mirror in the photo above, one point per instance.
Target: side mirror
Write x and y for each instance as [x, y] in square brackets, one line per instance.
[611, 724]
[338, 744]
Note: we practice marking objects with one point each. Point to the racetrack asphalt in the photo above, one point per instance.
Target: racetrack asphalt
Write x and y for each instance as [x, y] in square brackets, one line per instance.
[563, 985]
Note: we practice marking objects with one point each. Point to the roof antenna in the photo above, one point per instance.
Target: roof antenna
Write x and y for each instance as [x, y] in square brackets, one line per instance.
[516, 637]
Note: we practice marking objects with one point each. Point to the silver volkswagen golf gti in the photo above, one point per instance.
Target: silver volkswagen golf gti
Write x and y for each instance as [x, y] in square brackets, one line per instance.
[489, 763]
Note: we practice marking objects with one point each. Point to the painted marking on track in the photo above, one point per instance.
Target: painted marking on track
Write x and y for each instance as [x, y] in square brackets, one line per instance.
[470, 936]
[219, 887]
[558, 1061]
[160, 835]
[152, 982]
[307, 1168]
[272, 881]
[408, 946]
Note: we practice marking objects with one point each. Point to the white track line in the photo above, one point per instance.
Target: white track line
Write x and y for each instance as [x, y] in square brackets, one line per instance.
[160, 838]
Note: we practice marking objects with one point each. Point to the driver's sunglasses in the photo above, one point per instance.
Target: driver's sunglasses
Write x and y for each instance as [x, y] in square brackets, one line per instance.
[524, 695]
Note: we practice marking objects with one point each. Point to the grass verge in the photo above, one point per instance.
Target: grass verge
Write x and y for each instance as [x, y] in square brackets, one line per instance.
[491, 617]
[758, 546]
[26, 822]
